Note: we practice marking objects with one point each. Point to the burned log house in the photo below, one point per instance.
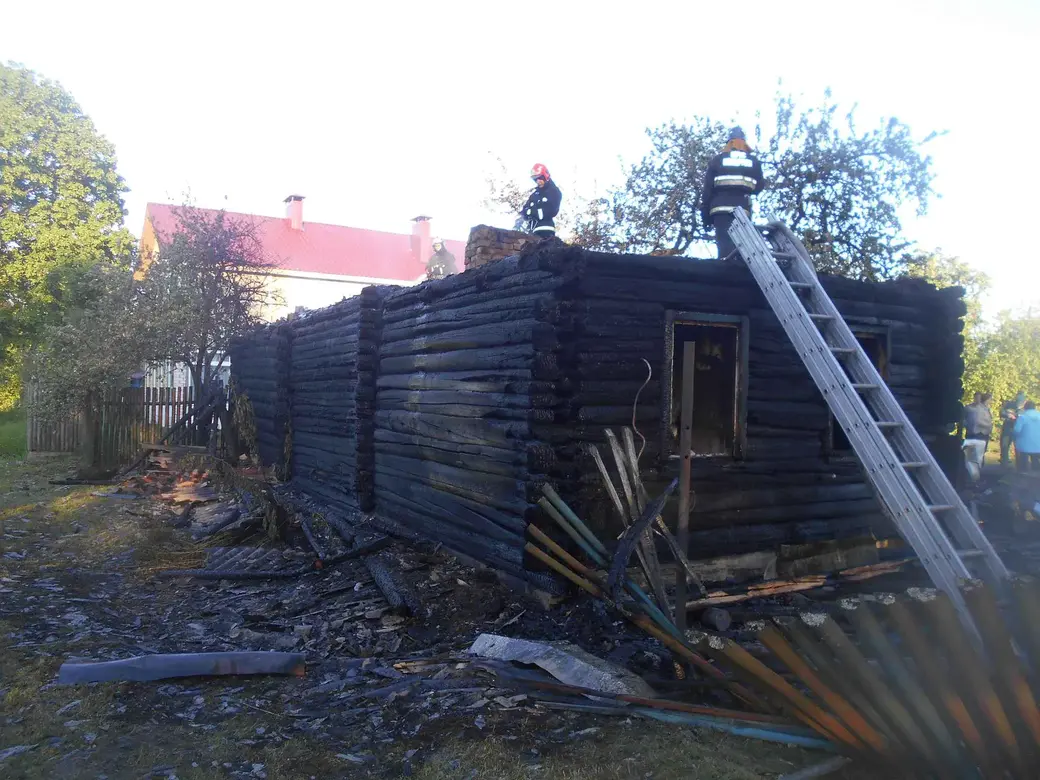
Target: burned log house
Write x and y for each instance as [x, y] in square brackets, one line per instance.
[441, 409]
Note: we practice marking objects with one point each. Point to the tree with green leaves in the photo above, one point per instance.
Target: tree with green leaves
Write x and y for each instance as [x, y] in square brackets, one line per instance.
[208, 284]
[92, 351]
[95, 348]
[61, 211]
[1008, 357]
[842, 189]
[945, 271]
[1001, 357]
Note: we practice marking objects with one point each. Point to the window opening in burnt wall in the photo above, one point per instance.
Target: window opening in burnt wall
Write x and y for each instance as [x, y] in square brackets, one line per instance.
[716, 346]
[876, 342]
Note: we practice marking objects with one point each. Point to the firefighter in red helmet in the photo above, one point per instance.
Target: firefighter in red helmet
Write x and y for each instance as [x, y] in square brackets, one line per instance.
[543, 205]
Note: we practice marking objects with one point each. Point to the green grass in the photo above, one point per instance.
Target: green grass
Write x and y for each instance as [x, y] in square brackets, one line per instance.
[137, 728]
[12, 434]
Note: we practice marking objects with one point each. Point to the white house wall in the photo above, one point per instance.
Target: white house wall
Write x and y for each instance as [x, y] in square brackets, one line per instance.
[291, 290]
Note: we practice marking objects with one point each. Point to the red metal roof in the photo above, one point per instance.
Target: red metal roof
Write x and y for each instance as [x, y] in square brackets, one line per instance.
[325, 249]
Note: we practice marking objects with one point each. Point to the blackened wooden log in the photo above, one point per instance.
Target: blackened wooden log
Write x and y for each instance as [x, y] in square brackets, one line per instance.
[438, 323]
[474, 412]
[331, 330]
[325, 492]
[440, 527]
[398, 594]
[823, 510]
[683, 269]
[337, 428]
[678, 295]
[466, 397]
[505, 274]
[516, 356]
[735, 540]
[747, 499]
[536, 301]
[339, 445]
[601, 367]
[517, 382]
[613, 415]
[304, 330]
[530, 456]
[346, 532]
[308, 532]
[526, 332]
[475, 296]
[453, 429]
[474, 516]
[496, 491]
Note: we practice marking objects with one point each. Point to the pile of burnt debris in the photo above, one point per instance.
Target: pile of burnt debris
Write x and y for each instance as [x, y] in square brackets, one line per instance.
[835, 647]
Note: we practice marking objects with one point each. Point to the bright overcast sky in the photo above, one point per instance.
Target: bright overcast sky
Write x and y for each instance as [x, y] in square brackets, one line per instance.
[381, 112]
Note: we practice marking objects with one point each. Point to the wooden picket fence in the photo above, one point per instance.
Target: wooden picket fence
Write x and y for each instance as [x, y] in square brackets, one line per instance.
[126, 419]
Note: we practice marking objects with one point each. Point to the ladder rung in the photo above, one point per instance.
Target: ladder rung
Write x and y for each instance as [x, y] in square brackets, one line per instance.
[918, 510]
[821, 317]
[785, 255]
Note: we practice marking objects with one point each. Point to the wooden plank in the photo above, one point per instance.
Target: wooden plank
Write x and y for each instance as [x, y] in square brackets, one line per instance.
[685, 445]
[170, 408]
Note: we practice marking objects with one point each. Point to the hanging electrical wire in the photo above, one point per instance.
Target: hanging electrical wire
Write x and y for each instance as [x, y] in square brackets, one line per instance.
[635, 403]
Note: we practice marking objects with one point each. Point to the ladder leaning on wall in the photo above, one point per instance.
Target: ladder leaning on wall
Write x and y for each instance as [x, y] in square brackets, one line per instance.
[912, 489]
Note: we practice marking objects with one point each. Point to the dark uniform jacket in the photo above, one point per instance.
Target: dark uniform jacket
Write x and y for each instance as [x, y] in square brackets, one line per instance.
[541, 207]
[440, 264]
[730, 181]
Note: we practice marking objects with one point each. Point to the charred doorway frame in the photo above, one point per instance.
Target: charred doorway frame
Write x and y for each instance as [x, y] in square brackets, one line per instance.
[743, 327]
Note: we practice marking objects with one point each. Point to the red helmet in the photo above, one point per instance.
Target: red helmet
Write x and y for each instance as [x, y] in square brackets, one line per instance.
[539, 171]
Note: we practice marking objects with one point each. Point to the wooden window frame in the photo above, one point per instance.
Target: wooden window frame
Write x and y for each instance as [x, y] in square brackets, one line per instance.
[743, 327]
[866, 328]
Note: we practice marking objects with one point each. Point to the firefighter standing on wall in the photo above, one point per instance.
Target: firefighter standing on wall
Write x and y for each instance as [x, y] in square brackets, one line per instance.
[544, 204]
[441, 262]
[731, 179]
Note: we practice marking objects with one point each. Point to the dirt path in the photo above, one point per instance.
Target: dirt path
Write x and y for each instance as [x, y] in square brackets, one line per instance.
[77, 579]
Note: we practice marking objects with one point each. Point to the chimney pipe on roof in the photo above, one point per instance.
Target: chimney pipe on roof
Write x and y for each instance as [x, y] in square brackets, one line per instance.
[422, 249]
[294, 211]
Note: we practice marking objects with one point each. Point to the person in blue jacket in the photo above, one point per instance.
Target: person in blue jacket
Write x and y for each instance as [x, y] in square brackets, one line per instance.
[1027, 438]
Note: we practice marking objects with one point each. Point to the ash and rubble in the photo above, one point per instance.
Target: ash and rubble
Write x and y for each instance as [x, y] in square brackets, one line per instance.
[377, 674]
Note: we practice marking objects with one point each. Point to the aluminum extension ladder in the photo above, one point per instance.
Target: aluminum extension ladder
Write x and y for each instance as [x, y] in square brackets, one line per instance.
[912, 489]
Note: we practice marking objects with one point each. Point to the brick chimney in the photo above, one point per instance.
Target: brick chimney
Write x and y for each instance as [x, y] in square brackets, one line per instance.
[422, 249]
[294, 211]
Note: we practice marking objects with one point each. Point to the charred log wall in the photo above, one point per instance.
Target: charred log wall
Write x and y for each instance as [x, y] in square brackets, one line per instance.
[788, 486]
[332, 397]
[260, 372]
[445, 406]
[467, 373]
